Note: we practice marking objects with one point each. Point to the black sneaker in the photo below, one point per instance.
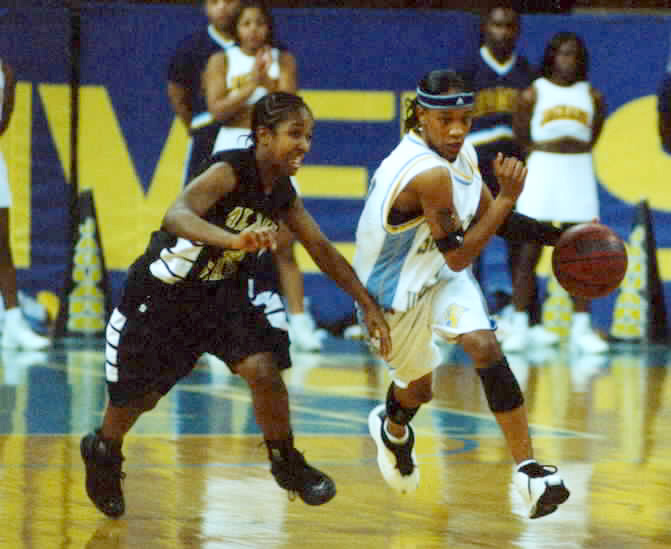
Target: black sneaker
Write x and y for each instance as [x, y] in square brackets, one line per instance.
[103, 460]
[294, 474]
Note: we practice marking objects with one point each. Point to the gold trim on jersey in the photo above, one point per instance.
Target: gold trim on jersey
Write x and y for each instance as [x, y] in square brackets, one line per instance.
[472, 165]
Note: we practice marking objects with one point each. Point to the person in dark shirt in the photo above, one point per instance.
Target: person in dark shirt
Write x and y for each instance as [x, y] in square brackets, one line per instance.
[188, 293]
[497, 76]
[185, 89]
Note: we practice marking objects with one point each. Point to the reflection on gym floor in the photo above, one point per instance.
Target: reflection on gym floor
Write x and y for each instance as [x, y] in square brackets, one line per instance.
[197, 474]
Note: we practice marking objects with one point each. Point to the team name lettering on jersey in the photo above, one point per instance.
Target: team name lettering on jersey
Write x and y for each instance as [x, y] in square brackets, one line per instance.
[239, 81]
[494, 100]
[227, 264]
[565, 112]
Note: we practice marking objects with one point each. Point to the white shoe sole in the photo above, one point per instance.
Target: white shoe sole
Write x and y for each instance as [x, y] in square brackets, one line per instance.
[386, 460]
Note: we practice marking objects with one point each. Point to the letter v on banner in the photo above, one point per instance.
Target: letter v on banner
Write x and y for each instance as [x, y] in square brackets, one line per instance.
[639, 313]
[85, 306]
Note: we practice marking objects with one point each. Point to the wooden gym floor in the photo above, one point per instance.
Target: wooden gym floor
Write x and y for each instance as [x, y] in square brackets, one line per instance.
[197, 475]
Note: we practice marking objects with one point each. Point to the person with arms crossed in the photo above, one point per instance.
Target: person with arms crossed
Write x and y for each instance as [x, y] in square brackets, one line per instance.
[427, 216]
[188, 294]
[558, 119]
[16, 332]
[234, 80]
[185, 87]
[496, 76]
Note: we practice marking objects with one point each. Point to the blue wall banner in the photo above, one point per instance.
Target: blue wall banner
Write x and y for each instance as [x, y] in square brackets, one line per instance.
[355, 67]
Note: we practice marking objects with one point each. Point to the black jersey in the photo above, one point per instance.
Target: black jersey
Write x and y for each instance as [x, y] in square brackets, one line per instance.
[172, 261]
[496, 87]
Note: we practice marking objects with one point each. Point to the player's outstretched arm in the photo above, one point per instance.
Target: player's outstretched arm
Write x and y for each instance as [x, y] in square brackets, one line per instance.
[330, 261]
[185, 217]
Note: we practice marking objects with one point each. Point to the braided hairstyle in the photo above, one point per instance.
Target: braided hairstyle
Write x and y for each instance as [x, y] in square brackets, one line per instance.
[435, 82]
[273, 109]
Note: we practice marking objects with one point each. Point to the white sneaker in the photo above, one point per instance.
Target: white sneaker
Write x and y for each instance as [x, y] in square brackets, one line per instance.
[504, 322]
[17, 334]
[589, 342]
[518, 337]
[397, 462]
[302, 334]
[583, 338]
[541, 488]
[539, 336]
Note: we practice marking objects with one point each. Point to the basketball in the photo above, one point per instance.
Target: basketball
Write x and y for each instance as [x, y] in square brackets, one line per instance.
[589, 260]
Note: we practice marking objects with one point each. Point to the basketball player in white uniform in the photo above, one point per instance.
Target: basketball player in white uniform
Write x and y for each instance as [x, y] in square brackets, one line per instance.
[426, 218]
[234, 81]
[558, 119]
[16, 332]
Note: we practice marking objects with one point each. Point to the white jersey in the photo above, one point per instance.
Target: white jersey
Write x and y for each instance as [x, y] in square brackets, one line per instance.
[398, 263]
[240, 66]
[562, 111]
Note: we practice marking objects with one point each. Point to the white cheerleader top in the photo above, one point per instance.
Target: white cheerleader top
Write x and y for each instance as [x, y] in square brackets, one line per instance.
[562, 111]
[240, 66]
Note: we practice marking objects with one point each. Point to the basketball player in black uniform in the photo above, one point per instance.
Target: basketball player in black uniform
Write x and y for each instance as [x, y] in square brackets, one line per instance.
[188, 294]
[185, 89]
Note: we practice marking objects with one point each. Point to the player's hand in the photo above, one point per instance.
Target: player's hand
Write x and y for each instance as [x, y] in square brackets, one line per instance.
[378, 329]
[254, 239]
[510, 173]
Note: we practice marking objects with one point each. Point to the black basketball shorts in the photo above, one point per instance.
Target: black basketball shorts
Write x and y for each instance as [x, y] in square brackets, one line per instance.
[152, 344]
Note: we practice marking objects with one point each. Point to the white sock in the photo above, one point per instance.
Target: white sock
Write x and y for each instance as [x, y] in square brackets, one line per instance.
[525, 462]
[395, 439]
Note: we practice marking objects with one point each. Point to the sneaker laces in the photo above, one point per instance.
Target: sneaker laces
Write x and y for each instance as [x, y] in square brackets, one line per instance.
[403, 452]
[111, 462]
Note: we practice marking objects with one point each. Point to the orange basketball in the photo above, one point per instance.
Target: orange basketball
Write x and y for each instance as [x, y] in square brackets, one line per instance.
[589, 260]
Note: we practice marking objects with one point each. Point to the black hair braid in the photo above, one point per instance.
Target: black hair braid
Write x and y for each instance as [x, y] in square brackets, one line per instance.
[274, 108]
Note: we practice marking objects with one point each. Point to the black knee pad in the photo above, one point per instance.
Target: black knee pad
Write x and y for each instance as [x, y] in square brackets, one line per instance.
[396, 412]
[501, 388]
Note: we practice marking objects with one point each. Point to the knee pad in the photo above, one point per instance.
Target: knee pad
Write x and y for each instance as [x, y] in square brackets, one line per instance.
[397, 413]
[501, 388]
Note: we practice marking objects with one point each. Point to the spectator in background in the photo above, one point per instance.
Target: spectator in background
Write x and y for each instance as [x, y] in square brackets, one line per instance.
[664, 108]
[185, 89]
[16, 333]
[497, 76]
[234, 80]
[558, 119]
